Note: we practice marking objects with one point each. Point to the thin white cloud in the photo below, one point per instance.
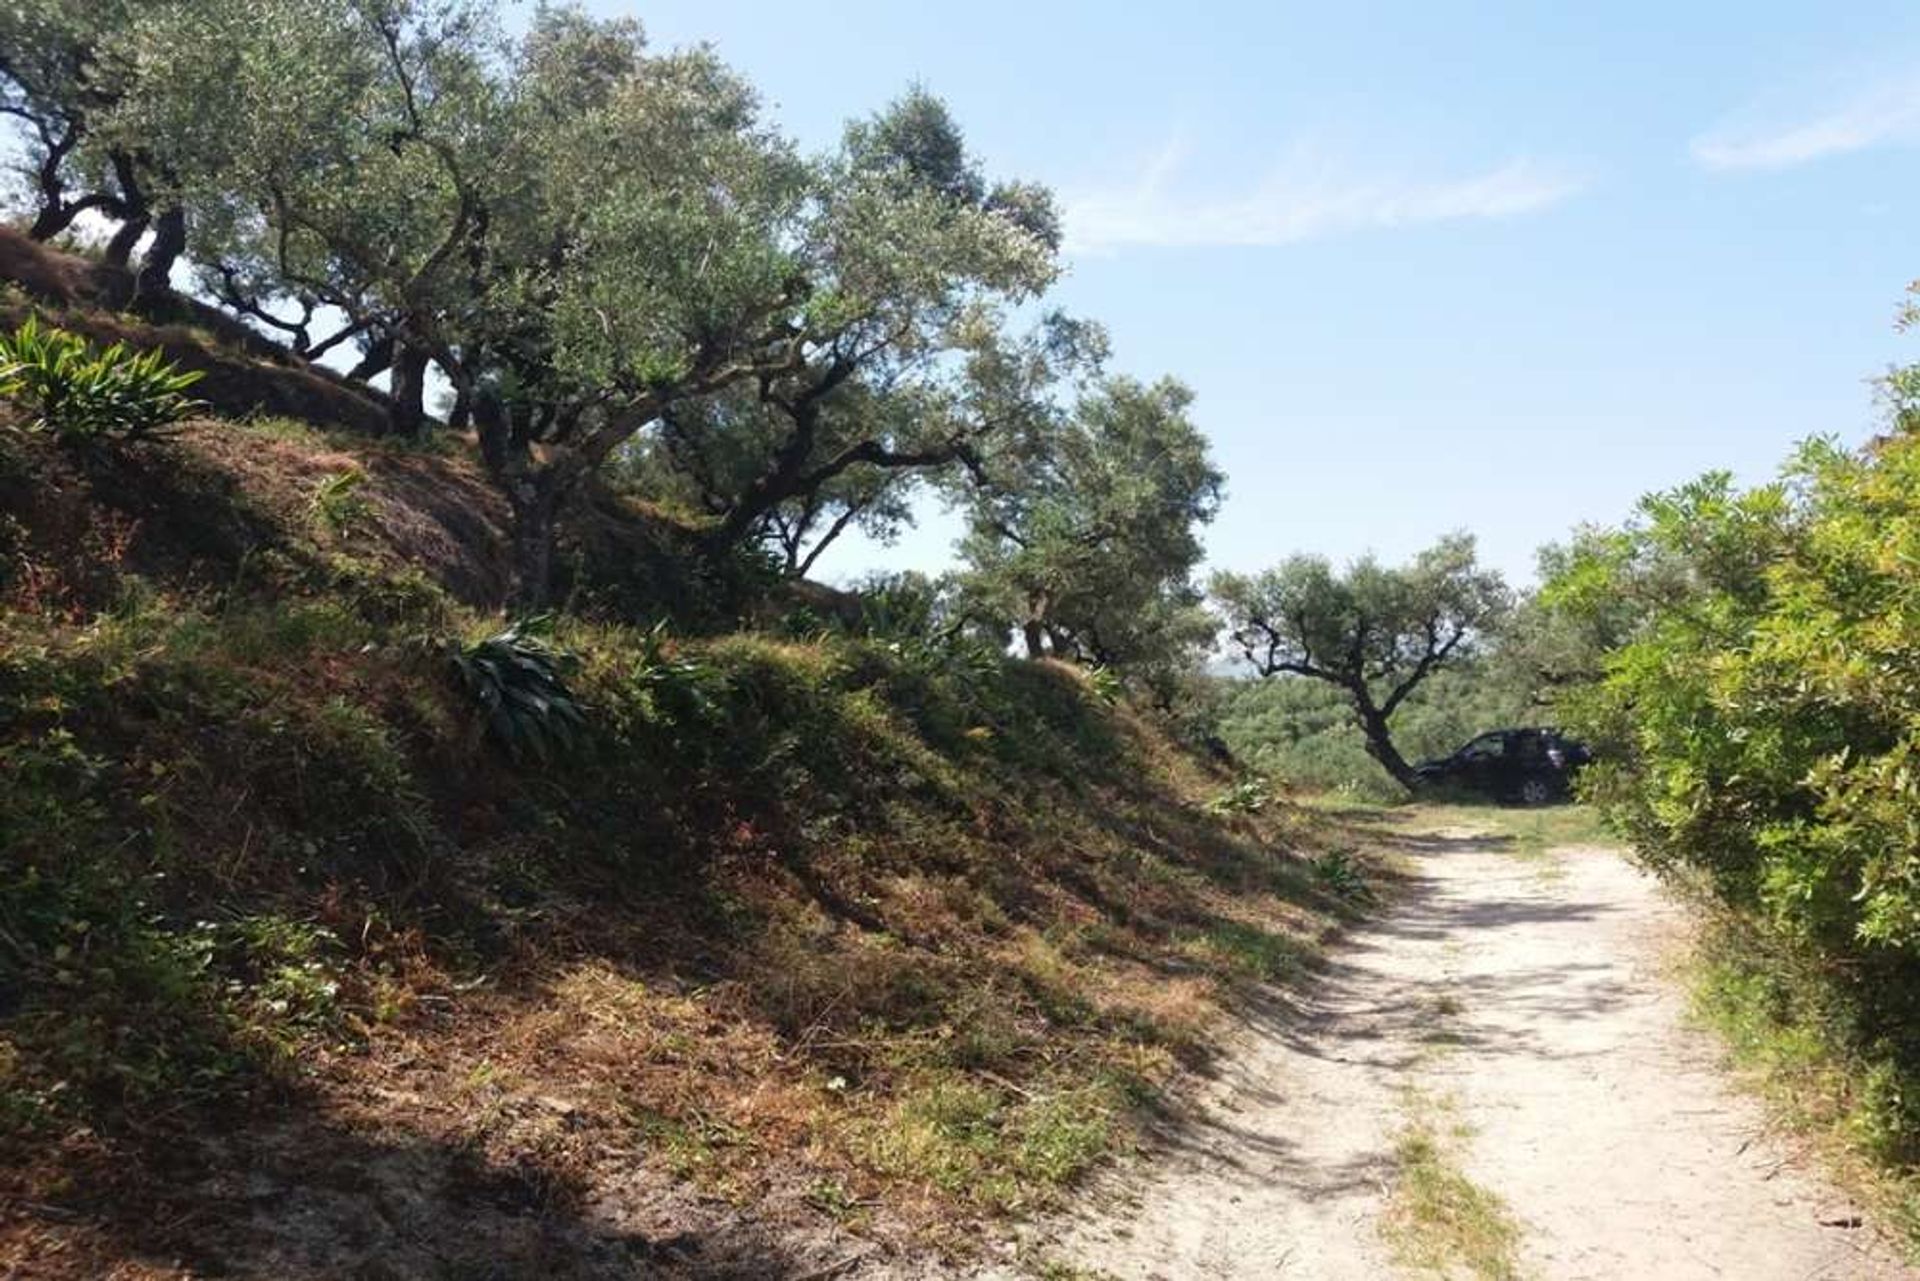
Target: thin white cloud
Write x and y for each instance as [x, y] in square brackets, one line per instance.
[1885, 115]
[1297, 202]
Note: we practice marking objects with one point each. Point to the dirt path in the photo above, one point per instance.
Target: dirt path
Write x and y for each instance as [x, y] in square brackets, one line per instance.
[1518, 1005]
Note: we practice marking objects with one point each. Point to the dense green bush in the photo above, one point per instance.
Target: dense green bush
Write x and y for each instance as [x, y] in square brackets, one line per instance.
[1759, 735]
[81, 393]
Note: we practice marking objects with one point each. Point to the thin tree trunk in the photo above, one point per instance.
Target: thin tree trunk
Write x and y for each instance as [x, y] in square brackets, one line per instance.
[535, 504]
[801, 566]
[534, 491]
[135, 214]
[1380, 741]
[376, 360]
[156, 265]
[119, 249]
[408, 415]
[1035, 634]
[54, 219]
[56, 211]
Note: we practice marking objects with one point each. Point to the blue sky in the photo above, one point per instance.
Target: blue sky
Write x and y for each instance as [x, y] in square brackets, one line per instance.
[1427, 266]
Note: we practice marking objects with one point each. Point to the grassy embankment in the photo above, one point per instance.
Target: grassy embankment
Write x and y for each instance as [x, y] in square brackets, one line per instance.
[812, 938]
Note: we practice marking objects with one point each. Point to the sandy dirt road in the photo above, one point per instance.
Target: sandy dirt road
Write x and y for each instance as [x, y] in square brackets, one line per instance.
[1529, 998]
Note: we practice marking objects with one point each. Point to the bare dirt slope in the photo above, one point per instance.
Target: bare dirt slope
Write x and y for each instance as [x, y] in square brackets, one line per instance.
[1526, 999]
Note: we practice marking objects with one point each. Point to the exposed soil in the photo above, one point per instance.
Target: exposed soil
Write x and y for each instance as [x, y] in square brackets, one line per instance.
[1534, 997]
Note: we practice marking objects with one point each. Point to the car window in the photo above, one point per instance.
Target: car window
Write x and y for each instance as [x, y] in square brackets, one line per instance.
[1486, 747]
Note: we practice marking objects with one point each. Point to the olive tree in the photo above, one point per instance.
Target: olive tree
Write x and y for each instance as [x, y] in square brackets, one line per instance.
[911, 257]
[794, 318]
[335, 157]
[50, 82]
[602, 248]
[1083, 535]
[65, 70]
[703, 456]
[577, 232]
[1375, 632]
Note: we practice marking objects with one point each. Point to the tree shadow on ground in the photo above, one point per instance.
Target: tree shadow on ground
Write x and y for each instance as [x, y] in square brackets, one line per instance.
[290, 1192]
[1353, 1009]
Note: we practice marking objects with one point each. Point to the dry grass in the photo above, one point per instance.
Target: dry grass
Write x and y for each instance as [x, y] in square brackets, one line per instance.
[857, 960]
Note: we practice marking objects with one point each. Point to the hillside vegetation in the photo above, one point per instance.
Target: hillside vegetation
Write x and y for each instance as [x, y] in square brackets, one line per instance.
[445, 831]
[784, 938]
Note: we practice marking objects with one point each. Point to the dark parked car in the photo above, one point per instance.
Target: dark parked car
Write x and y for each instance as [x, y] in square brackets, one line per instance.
[1532, 766]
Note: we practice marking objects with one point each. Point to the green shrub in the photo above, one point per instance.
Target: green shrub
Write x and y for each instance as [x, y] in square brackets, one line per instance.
[81, 393]
[1341, 875]
[899, 607]
[1248, 796]
[681, 700]
[518, 677]
[337, 503]
[1105, 685]
[673, 684]
[1759, 732]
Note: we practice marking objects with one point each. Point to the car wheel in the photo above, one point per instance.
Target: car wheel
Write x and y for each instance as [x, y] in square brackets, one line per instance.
[1535, 791]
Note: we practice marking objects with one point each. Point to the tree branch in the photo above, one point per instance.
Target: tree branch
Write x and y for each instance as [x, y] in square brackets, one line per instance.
[834, 531]
[1436, 653]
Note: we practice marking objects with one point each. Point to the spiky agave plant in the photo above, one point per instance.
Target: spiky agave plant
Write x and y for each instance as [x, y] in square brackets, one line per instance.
[518, 678]
[1104, 684]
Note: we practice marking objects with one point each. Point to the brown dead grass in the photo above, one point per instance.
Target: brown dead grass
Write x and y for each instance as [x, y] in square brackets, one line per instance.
[202, 509]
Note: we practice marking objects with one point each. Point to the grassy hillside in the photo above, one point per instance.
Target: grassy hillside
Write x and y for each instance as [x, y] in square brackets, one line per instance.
[811, 944]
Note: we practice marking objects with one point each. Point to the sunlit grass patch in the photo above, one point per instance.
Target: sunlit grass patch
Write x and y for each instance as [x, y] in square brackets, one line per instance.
[1439, 1221]
[1251, 951]
[1530, 833]
[997, 1147]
